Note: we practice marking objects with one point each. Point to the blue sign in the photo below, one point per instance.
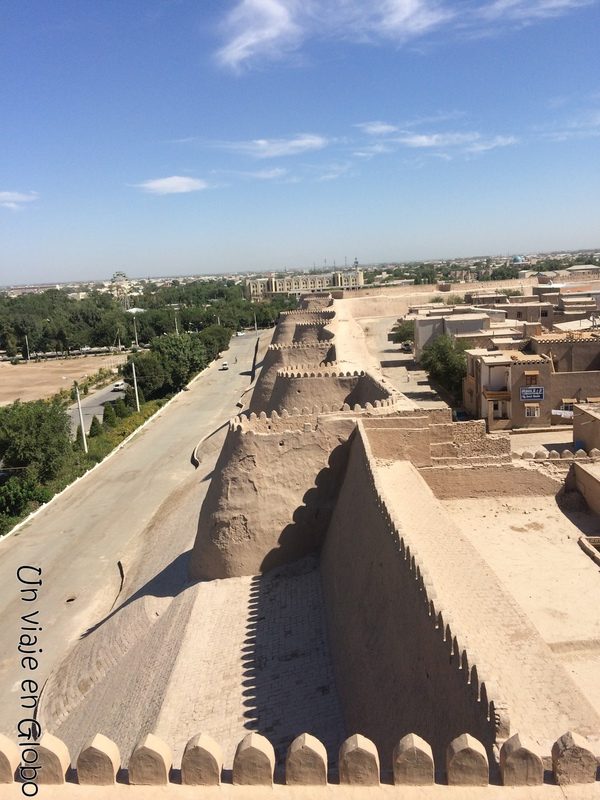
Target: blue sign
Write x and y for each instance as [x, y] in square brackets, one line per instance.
[532, 393]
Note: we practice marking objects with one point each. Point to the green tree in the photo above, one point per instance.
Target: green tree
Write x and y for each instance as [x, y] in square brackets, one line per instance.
[78, 443]
[445, 360]
[182, 357]
[35, 436]
[109, 418]
[121, 408]
[150, 372]
[404, 331]
[95, 427]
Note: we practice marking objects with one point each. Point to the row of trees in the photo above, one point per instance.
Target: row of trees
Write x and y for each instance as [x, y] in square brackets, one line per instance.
[173, 360]
[53, 321]
[36, 451]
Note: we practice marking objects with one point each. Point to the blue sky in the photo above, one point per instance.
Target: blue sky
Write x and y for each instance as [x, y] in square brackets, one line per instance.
[175, 137]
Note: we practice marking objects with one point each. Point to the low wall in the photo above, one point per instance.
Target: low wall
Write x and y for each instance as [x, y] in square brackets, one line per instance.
[587, 481]
[448, 483]
[407, 444]
[395, 670]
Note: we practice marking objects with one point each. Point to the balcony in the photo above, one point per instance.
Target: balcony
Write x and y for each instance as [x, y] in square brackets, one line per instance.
[496, 394]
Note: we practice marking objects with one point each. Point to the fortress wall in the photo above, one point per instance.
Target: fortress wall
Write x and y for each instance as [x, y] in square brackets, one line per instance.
[396, 670]
[488, 481]
[280, 357]
[311, 332]
[325, 386]
[270, 499]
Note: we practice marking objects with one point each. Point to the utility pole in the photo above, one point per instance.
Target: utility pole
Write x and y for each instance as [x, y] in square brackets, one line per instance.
[27, 347]
[255, 325]
[83, 436]
[137, 344]
[176, 325]
[135, 387]
[218, 320]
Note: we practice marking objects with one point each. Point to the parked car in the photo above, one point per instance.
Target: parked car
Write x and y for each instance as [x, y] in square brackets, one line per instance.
[224, 365]
[119, 386]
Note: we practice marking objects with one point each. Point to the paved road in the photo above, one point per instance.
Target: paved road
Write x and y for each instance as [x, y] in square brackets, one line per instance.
[78, 540]
[92, 405]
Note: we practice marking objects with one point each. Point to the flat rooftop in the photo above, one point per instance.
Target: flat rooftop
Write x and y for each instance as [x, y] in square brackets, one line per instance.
[509, 357]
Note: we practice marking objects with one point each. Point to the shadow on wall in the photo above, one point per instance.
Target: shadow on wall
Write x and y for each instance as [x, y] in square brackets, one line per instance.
[309, 524]
[288, 682]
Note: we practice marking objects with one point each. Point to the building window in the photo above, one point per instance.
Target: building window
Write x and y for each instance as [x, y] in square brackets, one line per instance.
[519, 315]
[532, 411]
[544, 312]
[531, 380]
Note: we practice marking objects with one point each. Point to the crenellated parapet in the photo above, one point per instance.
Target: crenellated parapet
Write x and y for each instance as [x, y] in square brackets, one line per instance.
[358, 763]
[298, 346]
[309, 314]
[308, 371]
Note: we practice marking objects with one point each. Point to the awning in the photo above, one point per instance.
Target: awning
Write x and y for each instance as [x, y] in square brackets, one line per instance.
[592, 399]
[569, 400]
[531, 372]
[531, 405]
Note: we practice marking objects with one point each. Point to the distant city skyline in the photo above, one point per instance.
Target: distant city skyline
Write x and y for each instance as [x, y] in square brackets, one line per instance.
[161, 138]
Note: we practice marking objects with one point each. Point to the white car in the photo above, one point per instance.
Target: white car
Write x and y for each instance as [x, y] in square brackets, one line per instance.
[119, 386]
[224, 365]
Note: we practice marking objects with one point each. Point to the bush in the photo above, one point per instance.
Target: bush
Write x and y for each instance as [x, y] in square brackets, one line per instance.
[404, 331]
[109, 417]
[121, 408]
[95, 427]
[436, 298]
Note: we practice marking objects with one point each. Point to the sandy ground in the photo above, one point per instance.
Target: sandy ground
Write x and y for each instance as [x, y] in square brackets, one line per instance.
[399, 367]
[531, 546]
[35, 380]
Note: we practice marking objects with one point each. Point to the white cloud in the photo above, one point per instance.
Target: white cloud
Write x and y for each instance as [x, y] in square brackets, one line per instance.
[438, 139]
[264, 28]
[16, 200]
[530, 10]
[334, 171]
[278, 148]
[463, 142]
[175, 184]
[405, 18]
[268, 174]
[376, 128]
[256, 30]
[484, 145]
[581, 124]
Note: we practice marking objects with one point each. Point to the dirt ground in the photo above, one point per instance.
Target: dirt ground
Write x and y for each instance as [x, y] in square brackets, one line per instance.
[36, 380]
